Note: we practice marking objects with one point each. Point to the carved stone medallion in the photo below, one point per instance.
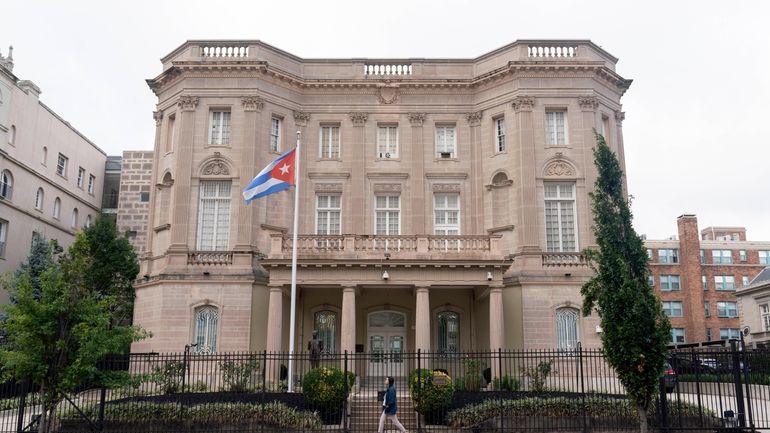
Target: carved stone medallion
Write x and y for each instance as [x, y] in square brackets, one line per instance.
[387, 94]
[216, 167]
[559, 168]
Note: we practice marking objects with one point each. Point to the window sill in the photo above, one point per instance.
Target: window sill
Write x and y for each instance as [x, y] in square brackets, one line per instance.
[224, 146]
[454, 159]
[388, 159]
[504, 152]
[62, 176]
[558, 146]
[329, 159]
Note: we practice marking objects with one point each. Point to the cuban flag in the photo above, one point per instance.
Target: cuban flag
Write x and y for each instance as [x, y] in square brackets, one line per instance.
[277, 176]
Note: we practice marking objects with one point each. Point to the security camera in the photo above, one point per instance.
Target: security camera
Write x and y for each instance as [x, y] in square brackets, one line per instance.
[489, 276]
[385, 275]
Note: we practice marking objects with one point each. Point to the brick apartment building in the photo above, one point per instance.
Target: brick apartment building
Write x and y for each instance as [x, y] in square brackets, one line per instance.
[696, 275]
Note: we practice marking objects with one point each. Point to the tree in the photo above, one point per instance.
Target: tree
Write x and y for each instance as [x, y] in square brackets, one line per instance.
[635, 331]
[113, 267]
[39, 259]
[57, 335]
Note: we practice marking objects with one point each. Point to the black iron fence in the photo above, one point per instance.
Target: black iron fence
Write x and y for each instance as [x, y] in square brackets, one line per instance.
[558, 390]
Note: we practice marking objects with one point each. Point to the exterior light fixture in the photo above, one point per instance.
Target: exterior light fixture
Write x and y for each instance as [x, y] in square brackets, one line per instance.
[385, 275]
[489, 276]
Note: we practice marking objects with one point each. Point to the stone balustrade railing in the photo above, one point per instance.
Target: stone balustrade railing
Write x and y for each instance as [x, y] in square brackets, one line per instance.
[224, 50]
[376, 245]
[210, 258]
[387, 69]
[552, 51]
[564, 259]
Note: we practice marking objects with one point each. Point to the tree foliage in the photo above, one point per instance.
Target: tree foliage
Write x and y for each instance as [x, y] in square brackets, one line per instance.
[59, 327]
[635, 331]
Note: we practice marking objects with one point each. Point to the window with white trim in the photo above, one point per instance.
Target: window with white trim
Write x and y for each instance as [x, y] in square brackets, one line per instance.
[729, 333]
[446, 219]
[651, 280]
[707, 308]
[326, 324]
[727, 309]
[170, 132]
[6, 185]
[74, 219]
[3, 236]
[702, 256]
[328, 219]
[669, 283]
[704, 281]
[764, 314]
[677, 335]
[44, 159]
[764, 257]
[708, 334]
[567, 330]
[206, 324]
[88, 221]
[724, 282]
[329, 142]
[219, 128]
[742, 255]
[500, 134]
[744, 281]
[39, 199]
[57, 208]
[446, 142]
[448, 332]
[12, 135]
[649, 254]
[387, 141]
[61, 165]
[81, 176]
[214, 215]
[91, 183]
[668, 255]
[275, 134]
[560, 223]
[387, 215]
[721, 256]
[556, 127]
[673, 308]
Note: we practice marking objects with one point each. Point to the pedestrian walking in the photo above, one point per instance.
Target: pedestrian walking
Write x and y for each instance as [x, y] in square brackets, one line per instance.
[389, 407]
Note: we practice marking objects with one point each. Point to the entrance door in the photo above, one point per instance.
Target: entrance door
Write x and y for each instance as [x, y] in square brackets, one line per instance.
[387, 343]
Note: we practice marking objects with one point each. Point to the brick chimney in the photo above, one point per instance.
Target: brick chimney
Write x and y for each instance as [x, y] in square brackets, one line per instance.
[690, 277]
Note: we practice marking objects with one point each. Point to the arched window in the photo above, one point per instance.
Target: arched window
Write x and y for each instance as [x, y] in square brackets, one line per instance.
[567, 332]
[326, 325]
[499, 179]
[448, 334]
[206, 322]
[6, 185]
[88, 221]
[12, 135]
[44, 160]
[57, 208]
[39, 197]
[74, 222]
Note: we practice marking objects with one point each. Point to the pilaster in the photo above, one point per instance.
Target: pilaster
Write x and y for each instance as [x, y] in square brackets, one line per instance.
[527, 229]
[419, 224]
[158, 116]
[357, 153]
[182, 185]
[252, 108]
[307, 199]
[477, 186]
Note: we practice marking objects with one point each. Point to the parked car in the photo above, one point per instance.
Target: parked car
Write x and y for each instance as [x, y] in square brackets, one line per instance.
[684, 364]
[669, 377]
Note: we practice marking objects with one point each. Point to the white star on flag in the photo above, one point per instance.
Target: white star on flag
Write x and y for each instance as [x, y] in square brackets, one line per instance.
[284, 169]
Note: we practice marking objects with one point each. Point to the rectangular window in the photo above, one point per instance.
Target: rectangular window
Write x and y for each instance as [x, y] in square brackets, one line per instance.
[500, 134]
[742, 255]
[446, 142]
[704, 281]
[556, 127]
[144, 197]
[669, 283]
[387, 141]
[764, 257]
[764, 313]
[560, 223]
[387, 215]
[727, 309]
[170, 133]
[721, 256]
[729, 333]
[668, 256]
[81, 176]
[702, 256]
[707, 308]
[724, 282]
[330, 142]
[275, 134]
[219, 128]
[61, 166]
[677, 335]
[744, 281]
[328, 213]
[446, 219]
[651, 280]
[673, 308]
[214, 216]
[91, 183]
[649, 254]
[708, 334]
[3, 236]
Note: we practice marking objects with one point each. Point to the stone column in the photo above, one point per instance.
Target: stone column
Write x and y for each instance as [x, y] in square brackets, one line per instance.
[476, 199]
[158, 116]
[496, 321]
[348, 333]
[355, 205]
[252, 107]
[275, 319]
[422, 319]
[620, 116]
[419, 224]
[528, 234]
[588, 106]
[183, 176]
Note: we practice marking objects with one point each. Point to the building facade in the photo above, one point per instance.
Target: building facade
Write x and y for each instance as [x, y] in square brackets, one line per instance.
[443, 202]
[51, 175]
[697, 275]
[754, 308]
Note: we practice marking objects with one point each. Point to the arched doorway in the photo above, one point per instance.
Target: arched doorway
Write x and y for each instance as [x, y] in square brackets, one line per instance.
[387, 341]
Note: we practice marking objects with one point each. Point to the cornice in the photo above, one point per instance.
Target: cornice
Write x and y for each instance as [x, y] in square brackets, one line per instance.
[322, 175]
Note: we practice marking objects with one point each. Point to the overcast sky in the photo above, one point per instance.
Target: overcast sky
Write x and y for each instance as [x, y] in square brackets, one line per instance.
[694, 113]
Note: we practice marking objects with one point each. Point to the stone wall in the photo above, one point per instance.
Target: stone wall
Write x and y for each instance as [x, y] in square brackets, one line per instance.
[134, 198]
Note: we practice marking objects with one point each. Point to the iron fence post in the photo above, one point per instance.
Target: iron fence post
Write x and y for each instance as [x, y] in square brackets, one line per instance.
[738, 385]
[419, 390]
[22, 403]
[102, 401]
[347, 395]
[744, 366]
[500, 386]
[663, 407]
[582, 385]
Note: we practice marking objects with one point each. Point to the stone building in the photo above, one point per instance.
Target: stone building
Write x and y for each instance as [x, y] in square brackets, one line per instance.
[51, 175]
[133, 198]
[754, 308]
[443, 201]
[697, 274]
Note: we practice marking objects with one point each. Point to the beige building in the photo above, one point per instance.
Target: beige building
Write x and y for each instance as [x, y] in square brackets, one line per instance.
[443, 201]
[50, 174]
[754, 306]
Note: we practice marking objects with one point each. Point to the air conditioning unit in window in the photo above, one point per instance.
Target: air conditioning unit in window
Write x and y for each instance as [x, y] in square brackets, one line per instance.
[445, 155]
[384, 155]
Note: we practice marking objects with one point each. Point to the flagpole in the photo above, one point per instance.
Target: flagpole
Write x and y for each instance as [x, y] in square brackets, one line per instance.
[292, 316]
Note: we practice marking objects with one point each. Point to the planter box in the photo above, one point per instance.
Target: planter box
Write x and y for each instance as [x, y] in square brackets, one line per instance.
[176, 427]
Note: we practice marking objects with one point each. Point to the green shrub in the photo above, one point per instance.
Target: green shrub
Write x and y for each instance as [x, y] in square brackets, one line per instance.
[427, 396]
[538, 375]
[473, 378]
[168, 377]
[325, 388]
[237, 375]
[506, 383]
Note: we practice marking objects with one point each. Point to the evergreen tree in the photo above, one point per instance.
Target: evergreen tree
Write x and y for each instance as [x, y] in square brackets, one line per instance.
[635, 331]
[39, 259]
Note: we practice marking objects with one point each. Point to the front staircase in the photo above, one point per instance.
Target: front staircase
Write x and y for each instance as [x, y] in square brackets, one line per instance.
[365, 410]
